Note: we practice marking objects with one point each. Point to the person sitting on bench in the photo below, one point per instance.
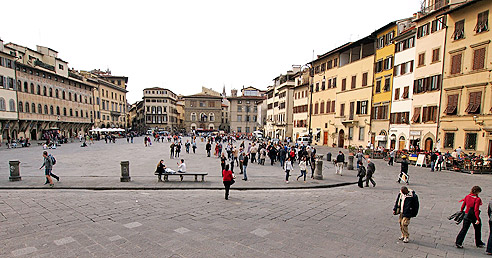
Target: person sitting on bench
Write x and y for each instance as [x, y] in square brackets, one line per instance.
[181, 168]
[160, 169]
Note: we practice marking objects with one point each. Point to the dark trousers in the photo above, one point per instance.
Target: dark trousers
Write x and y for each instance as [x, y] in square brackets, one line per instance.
[227, 185]
[53, 176]
[466, 225]
[390, 162]
[360, 183]
[287, 174]
[303, 173]
[489, 243]
[253, 157]
[272, 160]
[369, 178]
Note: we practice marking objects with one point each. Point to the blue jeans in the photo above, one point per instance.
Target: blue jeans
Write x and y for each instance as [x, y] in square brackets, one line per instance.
[432, 165]
[244, 171]
[282, 161]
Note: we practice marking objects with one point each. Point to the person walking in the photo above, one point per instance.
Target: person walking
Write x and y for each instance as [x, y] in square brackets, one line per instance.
[194, 147]
[178, 149]
[223, 160]
[312, 163]
[489, 243]
[227, 179]
[262, 156]
[245, 165]
[404, 169]
[361, 173]
[407, 206]
[371, 168]
[359, 156]
[48, 166]
[392, 155]
[208, 148]
[241, 159]
[339, 163]
[472, 216]
[187, 146]
[171, 147]
[302, 167]
[288, 167]
[161, 168]
[433, 159]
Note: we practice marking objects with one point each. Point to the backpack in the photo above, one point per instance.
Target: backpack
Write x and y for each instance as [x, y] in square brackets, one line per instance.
[415, 205]
[53, 160]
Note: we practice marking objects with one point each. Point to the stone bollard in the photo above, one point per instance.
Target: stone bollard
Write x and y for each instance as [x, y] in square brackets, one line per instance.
[125, 171]
[14, 170]
[318, 171]
[328, 156]
[350, 165]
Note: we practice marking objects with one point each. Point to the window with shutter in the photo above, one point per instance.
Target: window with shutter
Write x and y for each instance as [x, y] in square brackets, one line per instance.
[357, 110]
[351, 108]
[405, 92]
[364, 79]
[421, 59]
[482, 22]
[435, 55]
[456, 64]
[387, 84]
[344, 84]
[328, 107]
[322, 107]
[333, 106]
[378, 86]
[397, 94]
[342, 109]
[403, 68]
[416, 115]
[316, 108]
[474, 103]
[459, 30]
[354, 81]
[479, 59]
[451, 108]
[334, 82]
[410, 64]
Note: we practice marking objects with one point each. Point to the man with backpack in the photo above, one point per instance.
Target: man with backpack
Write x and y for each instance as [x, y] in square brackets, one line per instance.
[407, 206]
[48, 163]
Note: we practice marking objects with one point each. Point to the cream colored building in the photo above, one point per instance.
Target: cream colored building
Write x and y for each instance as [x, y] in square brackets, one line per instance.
[354, 91]
[466, 101]
[8, 95]
[301, 104]
[50, 96]
[243, 110]
[280, 105]
[160, 109]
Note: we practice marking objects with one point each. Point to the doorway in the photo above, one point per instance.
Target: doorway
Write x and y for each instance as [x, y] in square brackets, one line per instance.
[341, 137]
[490, 148]
[325, 138]
[429, 144]
[401, 143]
[33, 135]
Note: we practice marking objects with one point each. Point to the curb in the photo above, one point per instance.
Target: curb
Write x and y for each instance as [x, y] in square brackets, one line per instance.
[108, 188]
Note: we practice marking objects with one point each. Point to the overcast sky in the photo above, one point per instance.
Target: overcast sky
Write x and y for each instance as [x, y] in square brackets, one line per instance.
[183, 45]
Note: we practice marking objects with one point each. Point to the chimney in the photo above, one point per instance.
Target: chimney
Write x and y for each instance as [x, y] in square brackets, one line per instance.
[234, 93]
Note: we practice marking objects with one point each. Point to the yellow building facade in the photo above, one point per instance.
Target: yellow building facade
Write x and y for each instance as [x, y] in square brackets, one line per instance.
[466, 112]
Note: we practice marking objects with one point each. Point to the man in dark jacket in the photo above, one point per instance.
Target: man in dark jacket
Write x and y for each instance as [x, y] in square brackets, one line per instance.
[339, 163]
[407, 206]
[404, 169]
[371, 168]
[433, 160]
[208, 147]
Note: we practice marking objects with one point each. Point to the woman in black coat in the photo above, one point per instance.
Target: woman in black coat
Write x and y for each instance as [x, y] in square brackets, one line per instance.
[361, 173]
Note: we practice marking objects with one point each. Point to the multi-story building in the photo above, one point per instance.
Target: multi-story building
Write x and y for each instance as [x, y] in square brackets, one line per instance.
[160, 109]
[382, 84]
[355, 75]
[429, 54]
[401, 105]
[466, 98]
[243, 110]
[301, 104]
[280, 105]
[50, 96]
[110, 98]
[180, 104]
[8, 96]
[203, 112]
[136, 117]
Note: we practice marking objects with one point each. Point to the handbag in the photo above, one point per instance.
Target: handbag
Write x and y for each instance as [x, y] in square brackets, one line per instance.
[457, 216]
[233, 181]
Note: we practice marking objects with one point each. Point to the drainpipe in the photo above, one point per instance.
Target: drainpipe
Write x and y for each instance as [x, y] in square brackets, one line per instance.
[441, 143]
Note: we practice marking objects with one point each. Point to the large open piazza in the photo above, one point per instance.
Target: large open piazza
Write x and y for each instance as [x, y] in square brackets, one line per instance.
[342, 221]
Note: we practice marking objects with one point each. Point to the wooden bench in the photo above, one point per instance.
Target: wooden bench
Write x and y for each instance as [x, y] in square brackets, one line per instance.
[181, 175]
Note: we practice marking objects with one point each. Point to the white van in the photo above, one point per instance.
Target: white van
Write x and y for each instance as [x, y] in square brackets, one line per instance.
[303, 140]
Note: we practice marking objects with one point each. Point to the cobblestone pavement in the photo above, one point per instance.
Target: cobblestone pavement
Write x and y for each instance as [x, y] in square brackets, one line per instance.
[336, 222]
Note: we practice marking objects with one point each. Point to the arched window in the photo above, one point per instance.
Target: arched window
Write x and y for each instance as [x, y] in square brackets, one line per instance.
[19, 85]
[85, 100]
[57, 110]
[193, 116]
[211, 117]
[44, 91]
[51, 92]
[80, 98]
[2, 104]
[40, 109]
[159, 110]
[153, 110]
[32, 88]
[63, 95]
[56, 93]
[75, 97]
[45, 109]
[81, 113]
[86, 114]
[21, 107]
[12, 105]
[27, 107]
[70, 96]
[39, 90]
[51, 110]
[71, 112]
[65, 111]
[33, 107]
[322, 107]
[90, 100]
[76, 113]
[26, 87]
